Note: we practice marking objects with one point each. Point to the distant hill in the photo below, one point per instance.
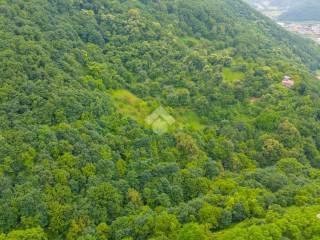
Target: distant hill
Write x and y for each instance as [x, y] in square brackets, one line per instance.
[306, 11]
[284, 3]
[281, 4]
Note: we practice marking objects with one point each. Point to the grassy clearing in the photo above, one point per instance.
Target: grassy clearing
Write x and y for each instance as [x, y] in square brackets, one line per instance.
[134, 107]
[130, 105]
[230, 75]
[189, 119]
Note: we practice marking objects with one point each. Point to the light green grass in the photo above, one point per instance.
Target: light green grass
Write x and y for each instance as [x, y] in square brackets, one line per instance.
[130, 105]
[229, 75]
[188, 119]
[136, 108]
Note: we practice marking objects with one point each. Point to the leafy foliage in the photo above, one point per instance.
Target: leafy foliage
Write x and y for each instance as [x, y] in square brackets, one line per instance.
[77, 160]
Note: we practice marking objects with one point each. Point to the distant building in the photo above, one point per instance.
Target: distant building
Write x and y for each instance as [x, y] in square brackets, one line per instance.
[287, 82]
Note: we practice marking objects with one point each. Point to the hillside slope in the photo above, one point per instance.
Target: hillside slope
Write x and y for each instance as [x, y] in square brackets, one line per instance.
[78, 160]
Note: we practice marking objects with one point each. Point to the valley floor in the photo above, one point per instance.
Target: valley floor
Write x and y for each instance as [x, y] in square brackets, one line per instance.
[307, 29]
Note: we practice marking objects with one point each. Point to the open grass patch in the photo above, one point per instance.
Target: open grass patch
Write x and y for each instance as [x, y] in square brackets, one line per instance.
[130, 105]
[189, 119]
[136, 108]
[230, 75]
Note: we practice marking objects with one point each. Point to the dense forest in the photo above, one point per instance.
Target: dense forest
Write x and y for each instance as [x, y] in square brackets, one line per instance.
[78, 161]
